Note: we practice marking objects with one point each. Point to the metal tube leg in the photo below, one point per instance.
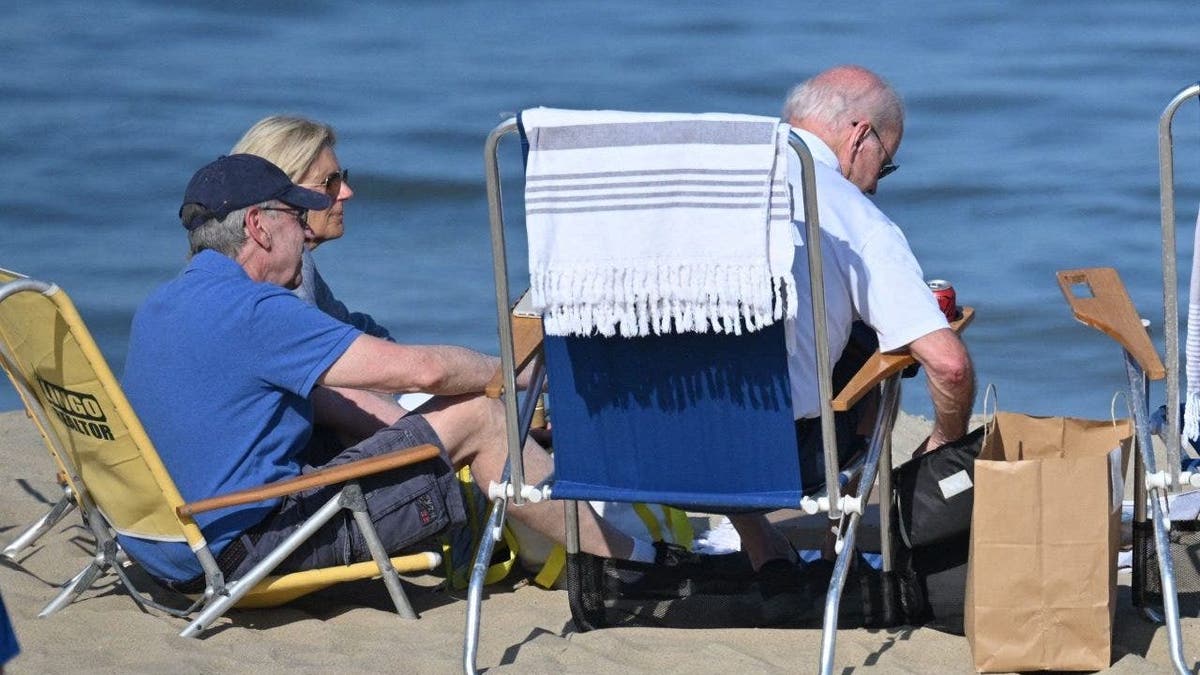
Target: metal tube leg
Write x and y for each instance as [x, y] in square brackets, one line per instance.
[352, 498]
[487, 545]
[78, 584]
[833, 597]
[1170, 600]
[885, 491]
[885, 419]
[41, 526]
[105, 553]
[220, 603]
[1161, 525]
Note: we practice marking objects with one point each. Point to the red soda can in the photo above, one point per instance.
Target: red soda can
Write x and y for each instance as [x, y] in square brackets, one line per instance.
[947, 302]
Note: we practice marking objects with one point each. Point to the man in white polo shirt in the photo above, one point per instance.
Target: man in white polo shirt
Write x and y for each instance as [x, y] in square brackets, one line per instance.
[875, 291]
[853, 121]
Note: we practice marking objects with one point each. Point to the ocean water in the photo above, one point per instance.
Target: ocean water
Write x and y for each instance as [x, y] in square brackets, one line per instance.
[1031, 143]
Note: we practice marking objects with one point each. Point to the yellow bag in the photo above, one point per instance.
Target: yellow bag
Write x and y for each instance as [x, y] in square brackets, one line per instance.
[460, 547]
[653, 522]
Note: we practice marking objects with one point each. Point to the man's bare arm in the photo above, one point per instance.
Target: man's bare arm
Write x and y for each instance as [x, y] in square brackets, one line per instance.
[379, 365]
[951, 383]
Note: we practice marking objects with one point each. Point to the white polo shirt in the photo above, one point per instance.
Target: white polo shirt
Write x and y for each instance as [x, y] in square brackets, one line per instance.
[870, 274]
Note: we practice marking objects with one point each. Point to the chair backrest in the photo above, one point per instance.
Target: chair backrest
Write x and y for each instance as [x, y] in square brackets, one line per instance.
[54, 363]
[682, 222]
[702, 421]
[65, 470]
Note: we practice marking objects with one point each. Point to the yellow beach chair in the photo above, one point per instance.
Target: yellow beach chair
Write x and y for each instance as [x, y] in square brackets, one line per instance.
[66, 503]
[120, 485]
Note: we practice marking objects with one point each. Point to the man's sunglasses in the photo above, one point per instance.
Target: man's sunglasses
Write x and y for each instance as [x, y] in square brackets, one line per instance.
[300, 214]
[889, 167]
[332, 185]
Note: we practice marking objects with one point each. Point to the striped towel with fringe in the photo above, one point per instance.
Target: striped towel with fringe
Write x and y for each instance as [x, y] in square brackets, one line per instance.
[1191, 414]
[653, 223]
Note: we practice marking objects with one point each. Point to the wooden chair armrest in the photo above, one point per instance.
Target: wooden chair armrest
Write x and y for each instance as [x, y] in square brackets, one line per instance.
[527, 342]
[1107, 308]
[882, 366]
[330, 476]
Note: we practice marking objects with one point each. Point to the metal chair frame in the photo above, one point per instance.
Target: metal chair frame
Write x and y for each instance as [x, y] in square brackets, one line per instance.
[218, 596]
[519, 412]
[1148, 479]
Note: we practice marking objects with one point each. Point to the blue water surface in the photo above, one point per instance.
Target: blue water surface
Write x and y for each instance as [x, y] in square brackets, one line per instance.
[1031, 142]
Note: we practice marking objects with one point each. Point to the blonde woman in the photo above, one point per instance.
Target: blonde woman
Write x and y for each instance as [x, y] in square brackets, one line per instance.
[303, 148]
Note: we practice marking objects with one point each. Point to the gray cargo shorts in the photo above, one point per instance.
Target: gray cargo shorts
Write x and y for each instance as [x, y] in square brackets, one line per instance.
[408, 506]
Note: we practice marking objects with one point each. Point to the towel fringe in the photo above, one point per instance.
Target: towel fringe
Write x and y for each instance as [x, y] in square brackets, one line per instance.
[688, 297]
[1191, 414]
[1191, 417]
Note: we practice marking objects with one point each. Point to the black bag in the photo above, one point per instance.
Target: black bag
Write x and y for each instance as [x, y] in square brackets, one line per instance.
[930, 580]
[935, 492]
[932, 583]
[721, 593]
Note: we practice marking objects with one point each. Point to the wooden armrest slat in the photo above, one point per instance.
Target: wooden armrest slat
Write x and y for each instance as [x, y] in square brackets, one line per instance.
[881, 366]
[330, 476]
[1109, 310]
[527, 341]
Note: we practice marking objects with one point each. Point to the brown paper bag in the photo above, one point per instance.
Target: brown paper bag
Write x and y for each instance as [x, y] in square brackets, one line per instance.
[1042, 573]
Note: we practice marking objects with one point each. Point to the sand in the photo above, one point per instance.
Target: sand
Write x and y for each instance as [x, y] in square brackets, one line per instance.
[350, 628]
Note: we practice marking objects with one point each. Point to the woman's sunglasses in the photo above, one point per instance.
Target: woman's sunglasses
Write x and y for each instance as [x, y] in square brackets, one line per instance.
[332, 185]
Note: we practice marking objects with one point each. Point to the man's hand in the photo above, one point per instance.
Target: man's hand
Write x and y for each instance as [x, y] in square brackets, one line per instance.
[951, 384]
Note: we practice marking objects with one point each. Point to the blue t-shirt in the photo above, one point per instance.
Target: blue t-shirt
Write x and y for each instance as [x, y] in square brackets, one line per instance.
[219, 372]
[8, 639]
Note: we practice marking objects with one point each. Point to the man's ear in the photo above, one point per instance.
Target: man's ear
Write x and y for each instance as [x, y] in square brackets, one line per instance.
[256, 228]
[859, 134]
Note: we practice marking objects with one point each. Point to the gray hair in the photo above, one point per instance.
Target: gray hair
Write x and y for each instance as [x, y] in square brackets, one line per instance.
[225, 236]
[843, 95]
[290, 143]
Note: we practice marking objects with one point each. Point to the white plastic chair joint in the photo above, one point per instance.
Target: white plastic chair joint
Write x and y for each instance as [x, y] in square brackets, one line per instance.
[1189, 479]
[534, 494]
[499, 490]
[530, 493]
[1158, 481]
[851, 504]
[813, 506]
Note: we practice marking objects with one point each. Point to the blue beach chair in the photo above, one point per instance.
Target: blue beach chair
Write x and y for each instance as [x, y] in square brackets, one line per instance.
[697, 420]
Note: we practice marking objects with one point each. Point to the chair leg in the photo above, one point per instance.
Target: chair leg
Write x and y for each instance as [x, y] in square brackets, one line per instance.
[105, 554]
[1158, 499]
[833, 596]
[885, 420]
[1166, 570]
[352, 498]
[487, 544]
[42, 525]
[217, 604]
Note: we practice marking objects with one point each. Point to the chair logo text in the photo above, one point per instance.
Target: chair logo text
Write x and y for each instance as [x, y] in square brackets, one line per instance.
[77, 410]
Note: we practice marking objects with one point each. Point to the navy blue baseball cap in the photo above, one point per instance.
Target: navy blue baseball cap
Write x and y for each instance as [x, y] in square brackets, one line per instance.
[234, 182]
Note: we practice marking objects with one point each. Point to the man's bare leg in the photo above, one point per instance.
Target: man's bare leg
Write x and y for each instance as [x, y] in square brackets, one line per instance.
[762, 542]
[472, 429]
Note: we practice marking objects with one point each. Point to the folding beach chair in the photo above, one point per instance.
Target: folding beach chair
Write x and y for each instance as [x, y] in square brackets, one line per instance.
[1098, 298]
[1164, 559]
[697, 420]
[121, 485]
[66, 503]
